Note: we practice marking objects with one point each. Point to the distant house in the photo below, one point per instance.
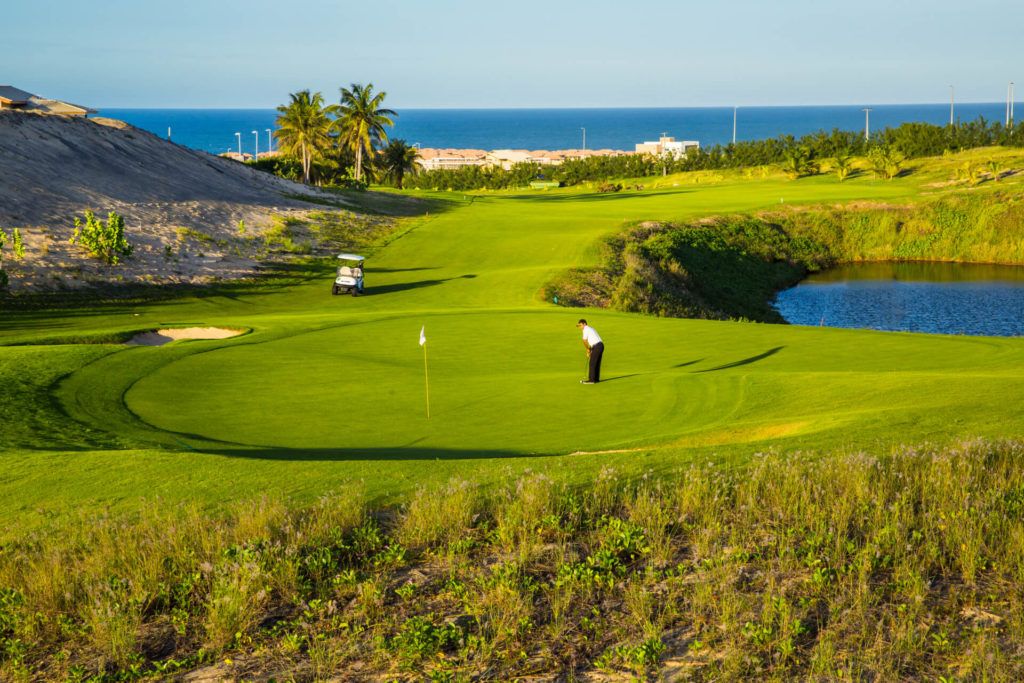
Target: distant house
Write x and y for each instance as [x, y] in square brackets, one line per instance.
[16, 98]
[666, 145]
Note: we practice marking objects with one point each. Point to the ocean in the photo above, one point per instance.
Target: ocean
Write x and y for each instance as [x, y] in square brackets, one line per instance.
[213, 130]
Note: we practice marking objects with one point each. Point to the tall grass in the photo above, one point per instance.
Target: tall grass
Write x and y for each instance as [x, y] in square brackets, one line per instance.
[905, 566]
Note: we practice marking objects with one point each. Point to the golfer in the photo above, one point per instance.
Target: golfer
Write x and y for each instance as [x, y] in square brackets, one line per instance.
[595, 349]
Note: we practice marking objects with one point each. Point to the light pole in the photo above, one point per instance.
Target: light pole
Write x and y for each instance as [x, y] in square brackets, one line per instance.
[584, 139]
[256, 137]
[270, 141]
[951, 92]
[1009, 105]
[867, 124]
[239, 136]
[734, 124]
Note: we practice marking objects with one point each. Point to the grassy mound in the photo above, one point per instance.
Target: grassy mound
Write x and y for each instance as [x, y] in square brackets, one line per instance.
[845, 567]
[731, 267]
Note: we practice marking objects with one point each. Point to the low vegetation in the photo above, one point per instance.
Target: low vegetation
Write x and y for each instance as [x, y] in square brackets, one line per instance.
[845, 567]
[730, 268]
[104, 240]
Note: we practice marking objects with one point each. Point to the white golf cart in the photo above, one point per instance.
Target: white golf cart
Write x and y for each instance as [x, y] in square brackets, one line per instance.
[350, 275]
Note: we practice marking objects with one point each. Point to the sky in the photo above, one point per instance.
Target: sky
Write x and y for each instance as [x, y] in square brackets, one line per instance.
[527, 53]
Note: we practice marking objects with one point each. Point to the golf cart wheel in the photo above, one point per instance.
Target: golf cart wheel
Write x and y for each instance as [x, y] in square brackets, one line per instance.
[335, 290]
[355, 291]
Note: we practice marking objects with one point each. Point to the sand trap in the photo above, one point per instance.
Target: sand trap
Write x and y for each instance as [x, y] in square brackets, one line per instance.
[161, 337]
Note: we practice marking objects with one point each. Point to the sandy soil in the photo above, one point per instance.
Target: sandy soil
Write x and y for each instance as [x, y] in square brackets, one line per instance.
[161, 337]
[181, 207]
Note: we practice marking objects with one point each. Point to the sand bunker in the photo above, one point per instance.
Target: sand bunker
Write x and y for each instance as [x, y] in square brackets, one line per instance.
[161, 337]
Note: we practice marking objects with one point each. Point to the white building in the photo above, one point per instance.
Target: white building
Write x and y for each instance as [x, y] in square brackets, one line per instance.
[667, 146]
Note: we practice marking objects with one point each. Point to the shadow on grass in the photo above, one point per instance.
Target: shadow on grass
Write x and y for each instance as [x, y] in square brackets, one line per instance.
[612, 379]
[687, 363]
[397, 453]
[419, 284]
[745, 361]
[597, 196]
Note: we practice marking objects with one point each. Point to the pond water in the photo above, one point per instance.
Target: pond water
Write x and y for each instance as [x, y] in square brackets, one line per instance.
[946, 298]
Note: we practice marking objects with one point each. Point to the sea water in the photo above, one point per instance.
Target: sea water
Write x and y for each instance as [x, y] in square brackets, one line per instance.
[214, 130]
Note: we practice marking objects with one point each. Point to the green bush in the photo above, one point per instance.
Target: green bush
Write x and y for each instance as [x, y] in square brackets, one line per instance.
[103, 240]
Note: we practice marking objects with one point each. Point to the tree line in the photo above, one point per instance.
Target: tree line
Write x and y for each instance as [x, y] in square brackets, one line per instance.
[885, 151]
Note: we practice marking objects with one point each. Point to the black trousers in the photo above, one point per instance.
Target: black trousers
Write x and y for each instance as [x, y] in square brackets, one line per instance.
[596, 351]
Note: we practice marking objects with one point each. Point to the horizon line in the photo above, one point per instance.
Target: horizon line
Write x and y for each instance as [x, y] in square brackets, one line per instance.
[571, 108]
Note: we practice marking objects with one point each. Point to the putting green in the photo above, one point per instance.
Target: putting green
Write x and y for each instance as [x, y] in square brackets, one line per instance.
[327, 389]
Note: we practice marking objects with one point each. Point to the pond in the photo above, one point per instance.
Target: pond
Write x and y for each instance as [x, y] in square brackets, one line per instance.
[945, 298]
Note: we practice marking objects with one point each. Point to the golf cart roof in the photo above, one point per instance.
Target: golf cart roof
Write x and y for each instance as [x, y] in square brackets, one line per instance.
[351, 257]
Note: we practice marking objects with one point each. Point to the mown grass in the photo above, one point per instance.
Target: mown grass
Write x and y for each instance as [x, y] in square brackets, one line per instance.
[847, 567]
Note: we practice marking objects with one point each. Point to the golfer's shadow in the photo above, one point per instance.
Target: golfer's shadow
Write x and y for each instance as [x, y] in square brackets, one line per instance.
[403, 286]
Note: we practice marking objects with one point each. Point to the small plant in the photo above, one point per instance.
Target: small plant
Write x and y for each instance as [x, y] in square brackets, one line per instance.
[241, 227]
[3, 273]
[103, 240]
[17, 244]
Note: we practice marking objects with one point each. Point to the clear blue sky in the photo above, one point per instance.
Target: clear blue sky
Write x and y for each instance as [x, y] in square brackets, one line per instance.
[527, 53]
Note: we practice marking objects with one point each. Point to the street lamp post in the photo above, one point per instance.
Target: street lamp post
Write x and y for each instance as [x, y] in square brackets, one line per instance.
[239, 136]
[1009, 105]
[867, 124]
[951, 92]
[270, 141]
[584, 139]
[256, 137]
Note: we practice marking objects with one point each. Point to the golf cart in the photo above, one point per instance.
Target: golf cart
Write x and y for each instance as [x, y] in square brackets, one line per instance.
[350, 275]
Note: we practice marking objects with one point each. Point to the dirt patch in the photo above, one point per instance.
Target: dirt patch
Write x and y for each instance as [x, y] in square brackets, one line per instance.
[161, 337]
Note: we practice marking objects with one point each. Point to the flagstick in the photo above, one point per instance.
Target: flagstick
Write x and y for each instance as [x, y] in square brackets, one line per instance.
[426, 379]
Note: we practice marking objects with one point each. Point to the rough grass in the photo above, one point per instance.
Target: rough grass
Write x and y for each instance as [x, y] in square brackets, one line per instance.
[844, 567]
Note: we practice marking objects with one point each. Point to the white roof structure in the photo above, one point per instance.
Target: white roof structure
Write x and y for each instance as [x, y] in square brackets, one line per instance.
[351, 257]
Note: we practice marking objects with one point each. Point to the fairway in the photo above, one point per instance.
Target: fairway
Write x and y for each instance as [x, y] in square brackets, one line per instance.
[326, 390]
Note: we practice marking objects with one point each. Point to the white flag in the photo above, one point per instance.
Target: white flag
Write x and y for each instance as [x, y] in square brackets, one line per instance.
[423, 335]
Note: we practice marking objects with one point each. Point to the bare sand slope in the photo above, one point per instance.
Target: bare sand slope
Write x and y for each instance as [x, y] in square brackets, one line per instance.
[52, 168]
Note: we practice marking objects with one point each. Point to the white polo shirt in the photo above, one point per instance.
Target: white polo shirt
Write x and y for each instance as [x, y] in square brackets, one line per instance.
[591, 336]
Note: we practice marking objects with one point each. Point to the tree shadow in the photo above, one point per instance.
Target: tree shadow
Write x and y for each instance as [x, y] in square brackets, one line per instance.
[419, 284]
[398, 453]
[687, 363]
[745, 361]
[597, 196]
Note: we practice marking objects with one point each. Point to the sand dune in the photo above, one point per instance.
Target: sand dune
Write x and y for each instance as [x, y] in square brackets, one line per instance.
[52, 168]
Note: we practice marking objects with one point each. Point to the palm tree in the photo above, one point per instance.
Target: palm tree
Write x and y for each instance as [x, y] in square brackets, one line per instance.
[843, 164]
[361, 121]
[304, 128]
[397, 159]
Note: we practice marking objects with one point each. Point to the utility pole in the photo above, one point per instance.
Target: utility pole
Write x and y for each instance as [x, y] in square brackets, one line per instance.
[867, 124]
[951, 105]
[168, 132]
[584, 139]
[734, 125]
[1009, 105]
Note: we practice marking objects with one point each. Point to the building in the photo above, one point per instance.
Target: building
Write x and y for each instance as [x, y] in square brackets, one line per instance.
[16, 98]
[667, 146]
[434, 159]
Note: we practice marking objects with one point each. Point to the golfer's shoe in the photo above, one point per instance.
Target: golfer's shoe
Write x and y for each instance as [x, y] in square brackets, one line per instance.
[586, 381]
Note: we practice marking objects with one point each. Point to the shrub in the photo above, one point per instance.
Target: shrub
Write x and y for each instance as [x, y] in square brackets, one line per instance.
[17, 244]
[103, 240]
